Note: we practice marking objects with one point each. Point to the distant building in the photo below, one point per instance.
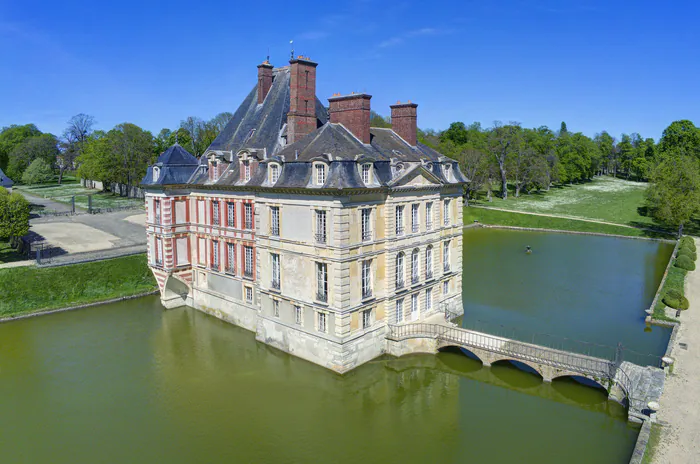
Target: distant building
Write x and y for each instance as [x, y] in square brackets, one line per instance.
[5, 181]
[308, 226]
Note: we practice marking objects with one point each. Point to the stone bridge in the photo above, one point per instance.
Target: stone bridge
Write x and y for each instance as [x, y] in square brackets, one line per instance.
[549, 363]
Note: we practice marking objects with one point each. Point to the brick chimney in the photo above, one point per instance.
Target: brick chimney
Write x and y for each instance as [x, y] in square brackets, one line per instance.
[352, 111]
[404, 118]
[301, 119]
[264, 80]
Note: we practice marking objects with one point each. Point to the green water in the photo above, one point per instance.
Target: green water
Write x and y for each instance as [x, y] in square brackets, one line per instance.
[132, 383]
[571, 288]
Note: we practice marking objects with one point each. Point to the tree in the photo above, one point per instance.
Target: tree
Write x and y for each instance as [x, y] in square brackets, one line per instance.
[12, 136]
[39, 172]
[474, 164]
[674, 195]
[44, 146]
[563, 130]
[220, 120]
[681, 137]
[377, 120]
[133, 149]
[76, 134]
[503, 141]
[14, 216]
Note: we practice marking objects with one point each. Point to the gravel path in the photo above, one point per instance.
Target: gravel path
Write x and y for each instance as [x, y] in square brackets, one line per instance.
[680, 402]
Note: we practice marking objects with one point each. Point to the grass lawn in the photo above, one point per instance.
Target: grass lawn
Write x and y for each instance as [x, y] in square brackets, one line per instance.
[8, 254]
[30, 289]
[505, 218]
[63, 193]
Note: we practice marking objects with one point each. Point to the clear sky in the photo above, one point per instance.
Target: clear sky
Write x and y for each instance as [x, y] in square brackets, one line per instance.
[620, 66]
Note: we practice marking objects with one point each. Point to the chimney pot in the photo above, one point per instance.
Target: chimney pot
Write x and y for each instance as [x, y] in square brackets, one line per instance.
[301, 119]
[404, 121]
[264, 80]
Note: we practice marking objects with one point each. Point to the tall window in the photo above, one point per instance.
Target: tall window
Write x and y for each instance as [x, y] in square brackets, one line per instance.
[322, 282]
[298, 315]
[429, 216]
[414, 218]
[215, 254]
[231, 258]
[320, 174]
[322, 322]
[399, 220]
[276, 308]
[414, 306]
[399, 310]
[248, 264]
[447, 169]
[274, 173]
[446, 287]
[429, 262]
[231, 214]
[275, 271]
[366, 278]
[366, 225]
[414, 266]
[248, 208]
[215, 213]
[446, 212]
[246, 171]
[446, 255]
[320, 226]
[429, 300]
[156, 208]
[400, 270]
[249, 294]
[366, 169]
[159, 251]
[274, 220]
[366, 318]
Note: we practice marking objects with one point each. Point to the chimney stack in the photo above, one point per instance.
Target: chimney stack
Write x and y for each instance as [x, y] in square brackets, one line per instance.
[352, 111]
[264, 79]
[404, 121]
[301, 119]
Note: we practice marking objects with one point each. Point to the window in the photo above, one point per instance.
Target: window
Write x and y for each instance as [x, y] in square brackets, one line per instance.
[446, 287]
[399, 220]
[366, 170]
[274, 173]
[276, 308]
[322, 282]
[231, 214]
[249, 294]
[215, 213]
[414, 218]
[274, 220]
[446, 256]
[246, 171]
[366, 278]
[215, 255]
[414, 266]
[447, 168]
[446, 212]
[414, 306]
[399, 270]
[429, 300]
[399, 310]
[156, 173]
[298, 315]
[231, 258]
[156, 207]
[275, 270]
[366, 318]
[322, 324]
[320, 174]
[366, 225]
[429, 216]
[429, 262]
[248, 208]
[320, 226]
[159, 251]
[248, 265]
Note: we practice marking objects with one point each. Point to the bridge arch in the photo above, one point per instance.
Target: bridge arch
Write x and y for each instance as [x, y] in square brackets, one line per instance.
[465, 351]
[586, 380]
[519, 364]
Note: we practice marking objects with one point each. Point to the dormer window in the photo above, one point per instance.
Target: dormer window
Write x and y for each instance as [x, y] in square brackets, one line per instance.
[447, 169]
[399, 167]
[274, 173]
[366, 173]
[320, 174]
[246, 170]
[156, 173]
[213, 173]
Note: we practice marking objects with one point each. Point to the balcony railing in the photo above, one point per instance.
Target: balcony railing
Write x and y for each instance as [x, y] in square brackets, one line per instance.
[366, 235]
[248, 273]
[428, 274]
[276, 284]
[366, 293]
[320, 238]
[399, 230]
[414, 279]
[322, 295]
[400, 283]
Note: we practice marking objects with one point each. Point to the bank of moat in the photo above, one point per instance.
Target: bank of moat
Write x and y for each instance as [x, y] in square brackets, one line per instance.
[308, 226]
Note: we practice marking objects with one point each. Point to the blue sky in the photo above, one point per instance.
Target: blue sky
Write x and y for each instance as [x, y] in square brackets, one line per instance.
[598, 65]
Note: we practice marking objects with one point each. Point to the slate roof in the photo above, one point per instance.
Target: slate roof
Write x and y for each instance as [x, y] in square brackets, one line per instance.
[174, 166]
[5, 181]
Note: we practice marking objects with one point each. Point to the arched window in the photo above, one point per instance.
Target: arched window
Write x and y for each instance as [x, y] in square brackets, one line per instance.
[414, 266]
[156, 173]
[429, 262]
[274, 173]
[400, 259]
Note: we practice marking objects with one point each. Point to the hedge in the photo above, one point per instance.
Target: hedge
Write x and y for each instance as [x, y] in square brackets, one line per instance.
[688, 242]
[684, 262]
[687, 252]
[674, 299]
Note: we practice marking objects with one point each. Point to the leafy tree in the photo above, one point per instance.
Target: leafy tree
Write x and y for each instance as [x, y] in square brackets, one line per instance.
[39, 172]
[44, 146]
[681, 137]
[377, 120]
[97, 161]
[608, 152]
[75, 136]
[503, 141]
[457, 133]
[14, 216]
[563, 130]
[12, 136]
[133, 149]
[220, 120]
[674, 195]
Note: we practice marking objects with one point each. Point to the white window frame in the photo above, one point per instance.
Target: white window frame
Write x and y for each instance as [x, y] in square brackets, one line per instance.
[298, 315]
[322, 280]
[446, 212]
[366, 221]
[246, 170]
[215, 219]
[414, 306]
[366, 319]
[248, 219]
[446, 287]
[415, 227]
[366, 170]
[366, 274]
[248, 294]
[275, 220]
[320, 173]
[215, 254]
[248, 264]
[231, 214]
[274, 173]
[156, 173]
[429, 261]
[231, 258]
[322, 321]
[275, 264]
[159, 251]
[399, 229]
[276, 307]
[429, 216]
[321, 226]
[415, 266]
[446, 255]
[400, 269]
[428, 299]
[399, 310]
[157, 211]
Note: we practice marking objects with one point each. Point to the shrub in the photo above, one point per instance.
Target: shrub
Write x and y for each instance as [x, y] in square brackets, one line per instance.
[687, 252]
[688, 242]
[39, 172]
[684, 262]
[675, 300]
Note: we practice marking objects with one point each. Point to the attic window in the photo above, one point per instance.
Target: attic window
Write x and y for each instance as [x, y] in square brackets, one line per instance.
[156, 173]
[274, 173]
[246, 170]
[399, 167]
[447, 169]
[320, 174]
[366, 173]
